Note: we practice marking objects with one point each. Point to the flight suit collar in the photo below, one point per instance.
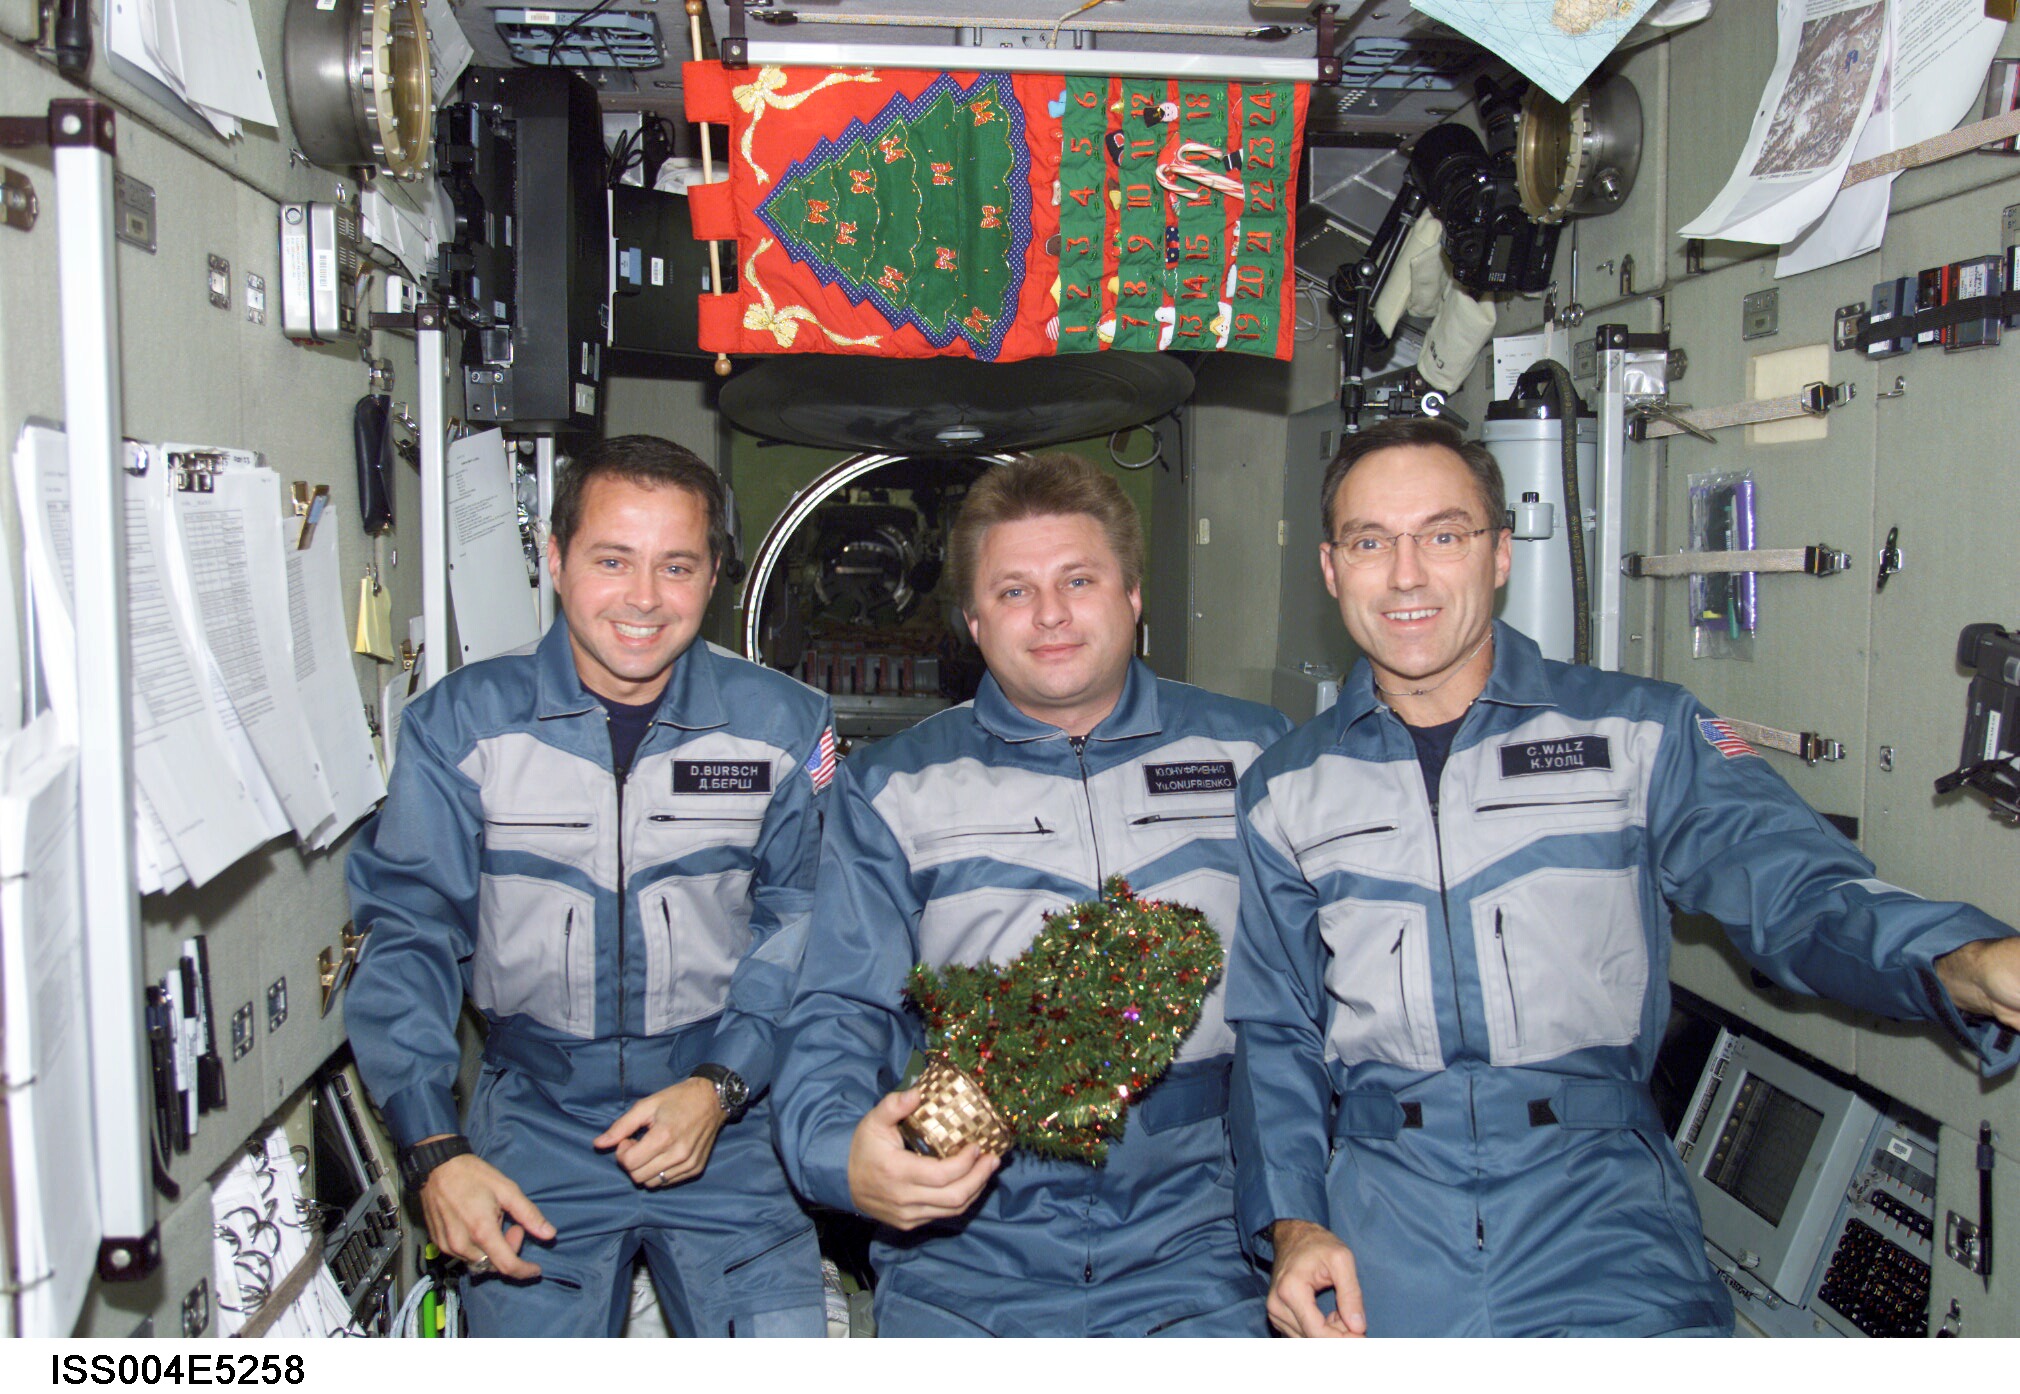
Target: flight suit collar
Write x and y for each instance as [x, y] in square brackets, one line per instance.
[692, 699]
[1135, 711]
[1517, 679]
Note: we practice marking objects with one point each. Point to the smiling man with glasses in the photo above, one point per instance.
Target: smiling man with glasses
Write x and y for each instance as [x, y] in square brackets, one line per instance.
[1452, 969]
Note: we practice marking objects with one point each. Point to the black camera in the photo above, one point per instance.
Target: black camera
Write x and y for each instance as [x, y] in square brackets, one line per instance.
[1493, 245]
[1990, 762]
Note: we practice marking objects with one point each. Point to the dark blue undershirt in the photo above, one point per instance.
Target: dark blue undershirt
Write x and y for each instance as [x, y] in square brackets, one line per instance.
[628, 725]
[1434, 747]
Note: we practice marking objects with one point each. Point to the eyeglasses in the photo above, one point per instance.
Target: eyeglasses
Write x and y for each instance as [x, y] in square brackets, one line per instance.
[1435, 544]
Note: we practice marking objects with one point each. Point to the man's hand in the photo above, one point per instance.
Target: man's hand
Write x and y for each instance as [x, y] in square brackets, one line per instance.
[1310, 1259]
[463, 1200]
[665, 1138]
[890, 1182]
[1983, 978]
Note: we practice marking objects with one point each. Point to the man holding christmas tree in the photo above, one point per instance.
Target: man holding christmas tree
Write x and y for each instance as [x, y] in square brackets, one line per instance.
[949, 844]
[1451, 976]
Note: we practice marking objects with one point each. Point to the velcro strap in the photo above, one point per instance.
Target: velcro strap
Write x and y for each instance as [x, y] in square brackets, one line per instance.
[1376, 1114]
[509, 1050]
[1597, 1103]
[1819, 560]
[1937, 317]
[1187, 1094]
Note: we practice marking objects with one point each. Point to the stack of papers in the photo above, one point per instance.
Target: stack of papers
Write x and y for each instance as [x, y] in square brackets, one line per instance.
[247, 720]
[1853, 80]
[203, 51]
[53, 1170]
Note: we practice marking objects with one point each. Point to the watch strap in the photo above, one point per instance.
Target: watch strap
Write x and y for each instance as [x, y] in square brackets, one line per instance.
[420, 1160]
[732, 1095]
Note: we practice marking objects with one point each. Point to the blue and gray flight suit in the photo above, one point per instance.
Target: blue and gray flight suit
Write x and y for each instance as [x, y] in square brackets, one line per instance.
[949, 844]
[615, 935]
[1449, 1011]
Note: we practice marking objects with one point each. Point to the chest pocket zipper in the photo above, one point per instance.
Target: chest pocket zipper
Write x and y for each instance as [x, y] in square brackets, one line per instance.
[568, 960]
[532, 823]
[1403, 984]
[1037, 829]
[1149, 818]
[704, 818]
[1598, 801]
[1374, 831]
[1508, 973]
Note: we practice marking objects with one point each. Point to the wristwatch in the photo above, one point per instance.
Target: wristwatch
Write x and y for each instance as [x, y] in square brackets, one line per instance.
[732, 1095]
[421, 1159]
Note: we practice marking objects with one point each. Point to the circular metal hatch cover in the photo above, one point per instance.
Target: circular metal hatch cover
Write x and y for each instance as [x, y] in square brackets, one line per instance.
[952, 406]
[359, 88]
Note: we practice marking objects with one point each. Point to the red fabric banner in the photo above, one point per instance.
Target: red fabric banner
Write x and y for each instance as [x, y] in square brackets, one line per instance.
[903, 214]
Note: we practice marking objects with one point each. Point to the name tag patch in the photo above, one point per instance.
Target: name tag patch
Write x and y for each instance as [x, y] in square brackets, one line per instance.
[721, 777]
[1560, 756]
[1190, 777]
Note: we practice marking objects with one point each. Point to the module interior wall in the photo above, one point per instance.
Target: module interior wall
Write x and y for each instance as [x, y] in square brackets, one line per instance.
[202, 375]
[1870, 669]
[1238, 422]
[1809, 665]
[263, 157]
[674, 409]
[1985, 1306]
[1593, 252]
[1945, 479]
[1719, 72]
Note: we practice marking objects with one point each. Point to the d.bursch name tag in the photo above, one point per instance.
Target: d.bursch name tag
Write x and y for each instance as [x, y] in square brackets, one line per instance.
[1190, 777]
[721, 777]
[1560, 756]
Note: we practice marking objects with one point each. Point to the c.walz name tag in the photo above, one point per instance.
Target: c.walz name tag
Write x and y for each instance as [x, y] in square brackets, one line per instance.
[721, 777]
[1190, 777]
[1560, 756]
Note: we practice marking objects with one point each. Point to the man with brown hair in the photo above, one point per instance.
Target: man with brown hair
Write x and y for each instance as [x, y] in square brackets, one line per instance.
[608, 846]
[948, 844]
[1452, 973]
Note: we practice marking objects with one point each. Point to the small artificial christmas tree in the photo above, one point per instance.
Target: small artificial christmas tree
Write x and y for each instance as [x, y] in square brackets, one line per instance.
[1069, 1033]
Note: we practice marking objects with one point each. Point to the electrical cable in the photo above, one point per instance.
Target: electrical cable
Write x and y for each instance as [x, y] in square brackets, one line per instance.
[554, 44]
[625, 152]
[1156, 450]
[1574, 507]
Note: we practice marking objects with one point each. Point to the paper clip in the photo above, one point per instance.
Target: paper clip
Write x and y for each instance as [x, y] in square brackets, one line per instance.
[334, 966]
[195, 471]
[310, 501]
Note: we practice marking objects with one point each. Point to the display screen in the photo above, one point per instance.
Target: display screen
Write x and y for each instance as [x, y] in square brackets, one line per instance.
[1762, 1148]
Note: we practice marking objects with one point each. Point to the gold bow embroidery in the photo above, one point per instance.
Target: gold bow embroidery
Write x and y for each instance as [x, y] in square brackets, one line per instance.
[762, 95]
[783, 322]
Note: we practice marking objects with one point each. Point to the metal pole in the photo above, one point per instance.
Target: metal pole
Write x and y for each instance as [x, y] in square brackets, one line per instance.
[1612, 540]
[543, 481]
[434, 479]
[82, 135]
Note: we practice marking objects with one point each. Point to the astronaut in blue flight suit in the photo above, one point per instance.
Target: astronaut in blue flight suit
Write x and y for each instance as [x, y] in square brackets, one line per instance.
[1451, 975]
[608, 845]
[948, 844]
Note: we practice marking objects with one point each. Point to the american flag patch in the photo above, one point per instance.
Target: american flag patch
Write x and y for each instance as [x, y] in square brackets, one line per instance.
[1720, 736]
[821, 763]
